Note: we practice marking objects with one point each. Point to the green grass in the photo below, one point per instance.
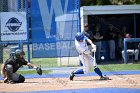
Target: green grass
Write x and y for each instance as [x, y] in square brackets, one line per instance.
[32, 71]
[119, 67]
[45, 62]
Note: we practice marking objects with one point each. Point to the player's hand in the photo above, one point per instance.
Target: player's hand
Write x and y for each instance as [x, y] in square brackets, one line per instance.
[39, 70]
[93, 46]
[93, 50]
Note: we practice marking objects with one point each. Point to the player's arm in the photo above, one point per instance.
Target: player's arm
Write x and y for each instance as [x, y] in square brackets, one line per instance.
[38, 69]
[89, 41]
[31, 65]
[93, 45]
[3, 71]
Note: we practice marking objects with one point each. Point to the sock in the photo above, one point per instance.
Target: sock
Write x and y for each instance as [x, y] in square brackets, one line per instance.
[98, 71]
[80, 71]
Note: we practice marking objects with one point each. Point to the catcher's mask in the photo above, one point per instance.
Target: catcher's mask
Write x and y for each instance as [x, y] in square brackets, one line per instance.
[19, 52]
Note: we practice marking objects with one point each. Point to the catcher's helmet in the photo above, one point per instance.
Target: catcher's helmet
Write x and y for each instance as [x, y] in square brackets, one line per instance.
[19, 52]
[79, 36]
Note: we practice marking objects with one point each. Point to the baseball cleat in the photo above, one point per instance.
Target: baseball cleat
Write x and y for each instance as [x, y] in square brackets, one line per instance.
[104, 78]
[10, 82]
[71, 76]
[5, 80]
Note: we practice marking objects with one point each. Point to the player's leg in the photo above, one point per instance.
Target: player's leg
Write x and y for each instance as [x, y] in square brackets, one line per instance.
[128, 51]
[72, 74]
[18, 78]
[136, 54]
[9, 74]
[96, 69]
[85, 69]
[122, 56]
[99, 72]
[112, 49]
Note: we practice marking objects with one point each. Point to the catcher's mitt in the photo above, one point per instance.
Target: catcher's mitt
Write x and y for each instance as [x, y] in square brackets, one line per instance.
[39, 70]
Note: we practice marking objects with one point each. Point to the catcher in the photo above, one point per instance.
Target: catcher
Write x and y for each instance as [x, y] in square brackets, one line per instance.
[11, 65]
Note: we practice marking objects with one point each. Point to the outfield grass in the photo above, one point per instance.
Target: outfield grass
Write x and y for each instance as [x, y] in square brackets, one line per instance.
[119, 67]
[45, 62]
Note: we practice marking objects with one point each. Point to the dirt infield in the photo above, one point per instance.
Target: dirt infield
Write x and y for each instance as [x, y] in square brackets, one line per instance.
[45, 84]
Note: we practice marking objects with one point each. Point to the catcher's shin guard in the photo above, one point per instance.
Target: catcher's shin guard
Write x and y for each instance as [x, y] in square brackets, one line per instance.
[11, 82]
[21, 79]
[9, 71]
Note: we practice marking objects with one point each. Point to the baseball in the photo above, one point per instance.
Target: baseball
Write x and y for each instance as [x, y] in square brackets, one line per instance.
[102, 57]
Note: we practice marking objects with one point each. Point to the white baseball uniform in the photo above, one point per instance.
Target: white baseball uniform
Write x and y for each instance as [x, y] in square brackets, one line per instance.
[84, 55]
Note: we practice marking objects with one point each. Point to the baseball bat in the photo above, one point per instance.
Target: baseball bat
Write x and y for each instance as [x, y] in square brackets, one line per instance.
[94, 57]
[94, 63]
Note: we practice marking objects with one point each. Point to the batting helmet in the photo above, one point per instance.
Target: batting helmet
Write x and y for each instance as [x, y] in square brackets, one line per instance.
[19, 52]
[79, 36]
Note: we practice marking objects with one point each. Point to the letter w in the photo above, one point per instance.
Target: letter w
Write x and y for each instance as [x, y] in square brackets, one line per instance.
[47, 12]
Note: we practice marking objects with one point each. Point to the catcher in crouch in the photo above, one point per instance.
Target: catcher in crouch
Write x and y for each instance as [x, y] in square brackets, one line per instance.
[85, 57]
[11, 65]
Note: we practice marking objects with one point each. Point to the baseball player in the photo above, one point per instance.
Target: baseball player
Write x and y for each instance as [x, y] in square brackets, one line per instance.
[85, 57]
[10, 67]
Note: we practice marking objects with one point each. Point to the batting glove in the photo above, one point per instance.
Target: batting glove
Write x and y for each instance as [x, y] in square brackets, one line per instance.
[93, 50]
[93, 46]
